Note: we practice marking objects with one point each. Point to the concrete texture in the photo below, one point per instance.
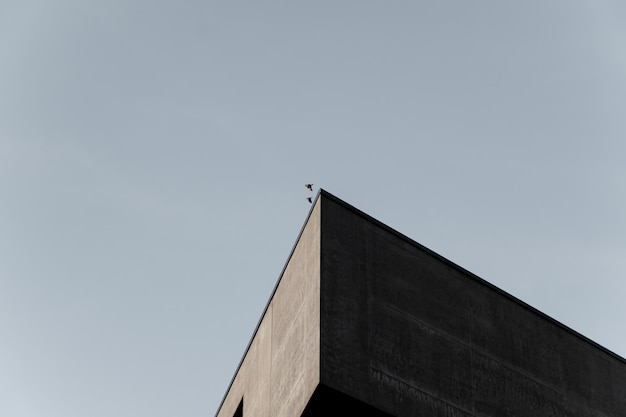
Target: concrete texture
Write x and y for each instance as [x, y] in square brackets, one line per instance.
[366, 317]
[280, 369]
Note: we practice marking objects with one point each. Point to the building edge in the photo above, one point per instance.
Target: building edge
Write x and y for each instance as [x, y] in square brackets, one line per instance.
[323, 193]
[470, 274]
[269, 300]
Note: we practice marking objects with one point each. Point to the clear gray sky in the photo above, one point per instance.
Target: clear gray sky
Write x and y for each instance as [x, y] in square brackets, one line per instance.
[153, 156]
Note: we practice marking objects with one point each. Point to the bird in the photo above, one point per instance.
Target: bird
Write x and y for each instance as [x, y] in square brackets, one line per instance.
[309, 186]
[310, 200]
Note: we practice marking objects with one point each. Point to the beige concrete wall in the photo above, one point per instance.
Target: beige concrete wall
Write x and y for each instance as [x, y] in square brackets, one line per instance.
[280, 369]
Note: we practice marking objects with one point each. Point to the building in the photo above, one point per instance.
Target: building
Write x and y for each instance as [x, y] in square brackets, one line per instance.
[365, 320]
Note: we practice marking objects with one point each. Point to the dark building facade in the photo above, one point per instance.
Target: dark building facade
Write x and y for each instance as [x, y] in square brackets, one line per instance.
[365, 320]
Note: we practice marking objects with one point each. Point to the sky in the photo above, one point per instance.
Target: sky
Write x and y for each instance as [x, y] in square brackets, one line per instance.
[153, 156]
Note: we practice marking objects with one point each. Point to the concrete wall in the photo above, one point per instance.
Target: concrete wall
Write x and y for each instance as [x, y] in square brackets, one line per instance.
[280, 369]
[413, 334]
[365, 317]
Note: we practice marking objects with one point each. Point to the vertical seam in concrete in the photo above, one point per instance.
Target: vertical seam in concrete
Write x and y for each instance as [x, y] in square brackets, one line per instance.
[319, 300]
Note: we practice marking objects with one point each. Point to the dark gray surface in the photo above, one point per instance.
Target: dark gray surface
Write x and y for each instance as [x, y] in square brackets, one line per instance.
[413, 334]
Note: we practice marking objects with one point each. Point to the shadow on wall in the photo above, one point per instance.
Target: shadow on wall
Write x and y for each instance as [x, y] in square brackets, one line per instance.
[328, 402]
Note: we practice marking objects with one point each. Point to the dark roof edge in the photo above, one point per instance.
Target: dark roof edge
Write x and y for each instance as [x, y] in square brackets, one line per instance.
[269, 301]
[500, 291]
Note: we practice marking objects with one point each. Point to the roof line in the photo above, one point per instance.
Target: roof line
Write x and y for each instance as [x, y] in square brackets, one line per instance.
[471, 275]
